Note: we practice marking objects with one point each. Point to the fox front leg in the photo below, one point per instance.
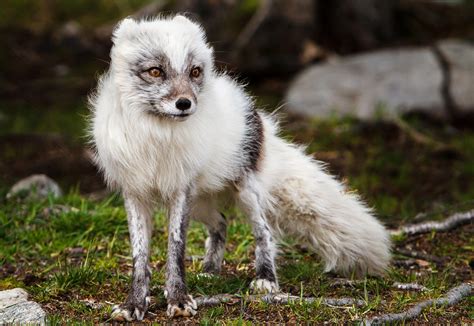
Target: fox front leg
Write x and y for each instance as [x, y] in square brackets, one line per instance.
[179, 302]
[139, 226]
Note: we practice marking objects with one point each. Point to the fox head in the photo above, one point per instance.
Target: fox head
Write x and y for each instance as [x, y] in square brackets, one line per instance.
[160, 66]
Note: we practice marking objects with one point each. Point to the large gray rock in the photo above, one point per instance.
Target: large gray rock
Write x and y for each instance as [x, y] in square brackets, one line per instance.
[384, 83]
[35, 187]
[16, 309]
[460, 57]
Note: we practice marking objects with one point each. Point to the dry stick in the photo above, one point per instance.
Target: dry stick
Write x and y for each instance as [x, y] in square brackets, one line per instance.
[419, 255]
[451, 222]
[252, 26]
[452, 297]
[396, 285]
[104, 32]
[418, 136]
[281, 298]
[404, 262]
[410, 286]
[345, 282]
[149, 10]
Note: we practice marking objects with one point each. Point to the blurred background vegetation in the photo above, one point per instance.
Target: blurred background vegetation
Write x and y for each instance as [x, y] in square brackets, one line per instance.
[53, 51]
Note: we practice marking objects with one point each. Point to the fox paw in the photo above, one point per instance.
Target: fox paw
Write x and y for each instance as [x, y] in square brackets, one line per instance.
[264, 286]
[129, 311]
[182, 308]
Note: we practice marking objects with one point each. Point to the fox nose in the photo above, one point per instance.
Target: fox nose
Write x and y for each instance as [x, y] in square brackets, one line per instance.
[183, 104]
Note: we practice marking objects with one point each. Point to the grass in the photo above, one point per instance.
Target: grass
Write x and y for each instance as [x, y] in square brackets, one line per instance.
[72, 254]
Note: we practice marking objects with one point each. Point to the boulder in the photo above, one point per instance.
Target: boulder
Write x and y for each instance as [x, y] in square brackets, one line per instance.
[16, 309]
[35, 187]
[460, 58]
[385, 82]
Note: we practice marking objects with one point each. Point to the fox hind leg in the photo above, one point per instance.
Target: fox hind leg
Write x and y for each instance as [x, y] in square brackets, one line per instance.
[252, 197]
[205, 212]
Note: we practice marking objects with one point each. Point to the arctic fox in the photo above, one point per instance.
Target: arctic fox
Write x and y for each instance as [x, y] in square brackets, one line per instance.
[169, 130]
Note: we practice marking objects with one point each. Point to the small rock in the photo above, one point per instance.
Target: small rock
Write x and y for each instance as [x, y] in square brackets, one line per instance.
[91, 303]
[11, 297]
[16, 309]
[35, 187]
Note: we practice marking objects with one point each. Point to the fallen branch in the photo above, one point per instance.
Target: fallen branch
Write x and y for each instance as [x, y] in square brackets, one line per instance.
[452, 297]
[417, 136]
[104, 32]
[399, 286]
[281, 298]
[405, 262]
[450, 223]
[419, 255]
[410, 286]
[345, 282]
[252, 26]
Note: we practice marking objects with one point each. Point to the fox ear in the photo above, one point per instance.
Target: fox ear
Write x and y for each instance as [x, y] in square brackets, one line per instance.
[192, 25]
[183, 19]
[124, 29]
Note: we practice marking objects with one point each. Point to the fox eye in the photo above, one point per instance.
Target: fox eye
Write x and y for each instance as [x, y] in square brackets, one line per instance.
[155, 72]
[196, 72]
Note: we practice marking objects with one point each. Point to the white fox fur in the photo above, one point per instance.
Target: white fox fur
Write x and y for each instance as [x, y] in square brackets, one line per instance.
[151, 153]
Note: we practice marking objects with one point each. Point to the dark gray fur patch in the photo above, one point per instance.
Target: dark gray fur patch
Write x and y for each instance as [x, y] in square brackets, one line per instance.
[252, 147]
[264, 264]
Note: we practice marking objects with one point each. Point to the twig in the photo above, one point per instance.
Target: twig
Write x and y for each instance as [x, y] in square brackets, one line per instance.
[149, 10]
[452, 297]
[104, 32]
[419, 255]
[345, 282]
[396, 285]
[404, 262]
[215, 300]
[417, 136]
[281, 298]
[451, 222]
[252, 26]
[410, 286]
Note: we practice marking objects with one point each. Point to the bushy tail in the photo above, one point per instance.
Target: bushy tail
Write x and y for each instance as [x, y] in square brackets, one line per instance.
[313, 207]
